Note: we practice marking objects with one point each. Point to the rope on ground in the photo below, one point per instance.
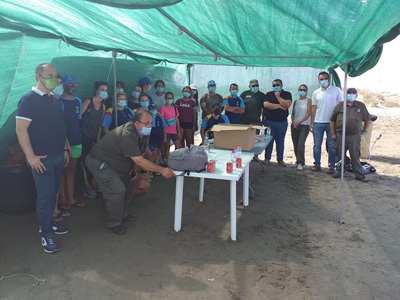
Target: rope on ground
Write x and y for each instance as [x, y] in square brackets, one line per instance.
[39, 282]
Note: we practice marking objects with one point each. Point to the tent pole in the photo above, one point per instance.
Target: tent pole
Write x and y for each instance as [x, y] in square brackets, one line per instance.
[114, 55]
[343, 144]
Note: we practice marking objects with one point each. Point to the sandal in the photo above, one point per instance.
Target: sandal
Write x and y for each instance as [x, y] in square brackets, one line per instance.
[64, 207]
[78, 204]
[64, 214]
[58, 218]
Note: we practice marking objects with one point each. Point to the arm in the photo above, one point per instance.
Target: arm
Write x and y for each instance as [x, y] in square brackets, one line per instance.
[204, 108]
[194, 119]
[333, 132]
[272, 106]
[313, 112]
[25, 142]
[366, 126]
[292, 117]
[202, 133]
[178, 129]
[285, 104]
[99, 134]
[147, 165]
[85, 105]
[307, 115]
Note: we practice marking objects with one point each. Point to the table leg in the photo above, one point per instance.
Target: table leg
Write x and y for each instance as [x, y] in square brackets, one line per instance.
[178, 203]
[246, 186]
[201, 190]
[233, 209]
[261, 164]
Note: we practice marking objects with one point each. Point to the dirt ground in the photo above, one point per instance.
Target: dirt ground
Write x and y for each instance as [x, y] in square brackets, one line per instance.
[290, 244]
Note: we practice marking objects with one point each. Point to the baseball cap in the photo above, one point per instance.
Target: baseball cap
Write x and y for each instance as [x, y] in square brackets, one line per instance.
[193, 86]
[352, 90]
[253, 81]
[211, 82]
[68, 79]
[144, 80]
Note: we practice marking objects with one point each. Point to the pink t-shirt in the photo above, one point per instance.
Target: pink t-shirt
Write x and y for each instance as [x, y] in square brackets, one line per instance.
[169, 113]
[185, 109]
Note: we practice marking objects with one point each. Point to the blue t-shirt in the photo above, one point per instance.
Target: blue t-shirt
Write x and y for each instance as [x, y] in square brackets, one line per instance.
[157, 130]
[123, 116]
[234, 118]
[133, 105]
[47, 130]
[209, 121]
[72, 115]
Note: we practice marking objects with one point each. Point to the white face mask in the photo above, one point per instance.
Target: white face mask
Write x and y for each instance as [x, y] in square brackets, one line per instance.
[122, 103]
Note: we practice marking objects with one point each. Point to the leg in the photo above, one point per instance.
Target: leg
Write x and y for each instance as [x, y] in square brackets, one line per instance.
[129, 192]
[201, 190]
[268, 150]
[301, 146]
[280, 133]
[246, 186]
[182, 139]
[354, 145]
[318, 133]
[70, 180]
[233, 209]
[156, 156]
[295, 138]
[178, 203]
[331, 147]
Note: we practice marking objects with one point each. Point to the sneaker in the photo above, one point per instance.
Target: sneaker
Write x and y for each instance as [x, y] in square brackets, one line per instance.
[316, 169]
[331, 171]
[157, 174]
[58, 228]
[90, 193]
[299, 167]
[295, 165]
[96, 188]
[49, 244]
[282, 163]
[129, 217]
[337, 175]
[119, 229]
[266, 162]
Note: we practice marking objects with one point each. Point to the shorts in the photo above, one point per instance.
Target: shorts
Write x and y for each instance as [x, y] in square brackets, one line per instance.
[172, 136]
[186, 125]
[155, 146]
[76, 151]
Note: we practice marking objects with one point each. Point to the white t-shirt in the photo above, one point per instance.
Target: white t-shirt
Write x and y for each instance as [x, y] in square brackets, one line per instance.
[159, 101]
[326, 100]
[300, 110]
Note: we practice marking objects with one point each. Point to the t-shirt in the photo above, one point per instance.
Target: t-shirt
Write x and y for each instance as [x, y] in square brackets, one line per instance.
[300, 110]
[234, 118]
[277, 115]
[159, 101]
[209, 121]
[355, 115]
[72, 115]
[169, 113]
[116, 147]
[157, 130]
[47, 130]
[185, 109]
[326, 100]
[133, 105]
[254, 106]
[123, 116]
[210, 100]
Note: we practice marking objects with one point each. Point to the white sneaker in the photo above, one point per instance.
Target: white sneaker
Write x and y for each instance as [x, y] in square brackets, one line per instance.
[294, 165]
[299, 167]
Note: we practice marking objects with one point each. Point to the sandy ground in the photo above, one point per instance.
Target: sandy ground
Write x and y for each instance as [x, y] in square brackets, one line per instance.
[290, 244]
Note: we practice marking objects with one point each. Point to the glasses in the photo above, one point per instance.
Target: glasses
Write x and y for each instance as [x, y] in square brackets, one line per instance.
[146, 124]
[302, 90]
[275, 85]
[169, 98]
[255, 85]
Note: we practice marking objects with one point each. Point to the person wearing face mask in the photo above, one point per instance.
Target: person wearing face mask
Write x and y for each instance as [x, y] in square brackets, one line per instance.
[109, 102]
[159, 95]
[145, 84]
[171, 116]
[212, 119]
[300, 125]
[195, 97]
[254, 103]
[276, 105]
[324, 101]
[208, 99]
[187, 116]
[356, 114]
[112, 162]
[59, 89]
[233, 104]
[133, 102]
[42, 134]
[72, 115]
[123, 113]
[93, 110]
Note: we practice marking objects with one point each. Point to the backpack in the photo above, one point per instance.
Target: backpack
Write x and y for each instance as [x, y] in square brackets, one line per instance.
[188, 159]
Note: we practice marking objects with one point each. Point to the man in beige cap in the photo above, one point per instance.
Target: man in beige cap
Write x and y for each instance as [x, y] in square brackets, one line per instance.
[253, 100]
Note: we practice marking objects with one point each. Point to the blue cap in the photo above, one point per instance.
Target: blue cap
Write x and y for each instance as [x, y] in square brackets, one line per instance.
[211, 82]
[68, 79]
[144, 80]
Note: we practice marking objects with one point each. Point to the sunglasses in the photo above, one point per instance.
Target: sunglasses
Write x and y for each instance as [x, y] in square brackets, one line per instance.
[255, 85]
[275, 85]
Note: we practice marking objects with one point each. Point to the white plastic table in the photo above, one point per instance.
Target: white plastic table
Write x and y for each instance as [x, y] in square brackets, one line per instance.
[221, 157]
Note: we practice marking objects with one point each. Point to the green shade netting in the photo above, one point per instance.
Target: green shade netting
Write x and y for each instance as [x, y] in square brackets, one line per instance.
[136, 4]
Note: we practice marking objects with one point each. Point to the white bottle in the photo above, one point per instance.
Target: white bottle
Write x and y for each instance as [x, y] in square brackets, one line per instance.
[239, 151]
[268, 131]
[206, 143]
[233, 158]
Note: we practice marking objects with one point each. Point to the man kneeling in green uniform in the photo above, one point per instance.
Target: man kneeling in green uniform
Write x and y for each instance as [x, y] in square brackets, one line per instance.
[112, 163]
[356, 113]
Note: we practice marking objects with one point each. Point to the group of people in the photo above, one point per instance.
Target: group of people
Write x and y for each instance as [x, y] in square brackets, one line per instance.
[119, 141]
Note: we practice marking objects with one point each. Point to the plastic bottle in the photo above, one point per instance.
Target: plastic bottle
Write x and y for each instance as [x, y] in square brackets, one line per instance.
[238, 151]
[239, 157]
[206, 143]
[233, 157]
[268, 131]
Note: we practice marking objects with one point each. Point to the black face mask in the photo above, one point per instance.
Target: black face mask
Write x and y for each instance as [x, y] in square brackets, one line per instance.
[217, 111]
[70, 90]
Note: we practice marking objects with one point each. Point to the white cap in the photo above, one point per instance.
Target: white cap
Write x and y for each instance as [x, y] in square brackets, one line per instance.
[193, 86]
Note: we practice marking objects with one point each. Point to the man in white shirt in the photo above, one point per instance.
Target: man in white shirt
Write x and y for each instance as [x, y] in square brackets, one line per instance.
[324, 101]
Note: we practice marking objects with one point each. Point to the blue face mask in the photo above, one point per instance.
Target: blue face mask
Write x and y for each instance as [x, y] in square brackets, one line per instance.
[103, 95]
[120, 90]
[254, 89]
[234, 92]
[351, 97]
[135, 94]
[302, 93]
[170, 101]
[121, 103]
[144, 104]
[276, 89]
[186, 94]
[159, 89]
[324, 83]
[194, 92]
[145, 130]
[212, 89]
[59, 90]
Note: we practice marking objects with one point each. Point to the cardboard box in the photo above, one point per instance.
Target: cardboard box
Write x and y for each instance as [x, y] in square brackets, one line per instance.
[228, 136]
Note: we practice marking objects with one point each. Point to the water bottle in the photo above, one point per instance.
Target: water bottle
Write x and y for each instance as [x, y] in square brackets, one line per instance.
[239, 157]
[233, 157]
[206, 143]
[238, 151]
[268, 131]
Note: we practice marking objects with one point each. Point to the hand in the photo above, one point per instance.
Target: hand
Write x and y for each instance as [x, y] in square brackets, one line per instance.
[36, 164]
[294, 125]
[66, 158]
[167, 172]
[277, 94]
[196, 128]
[333, 135]
[311, 127]
[284, 108]
[165, 140]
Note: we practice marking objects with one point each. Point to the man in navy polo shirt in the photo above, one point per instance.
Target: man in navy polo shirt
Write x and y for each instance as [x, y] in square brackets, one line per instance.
[212, 119]
[234, 105]
[41, 131]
